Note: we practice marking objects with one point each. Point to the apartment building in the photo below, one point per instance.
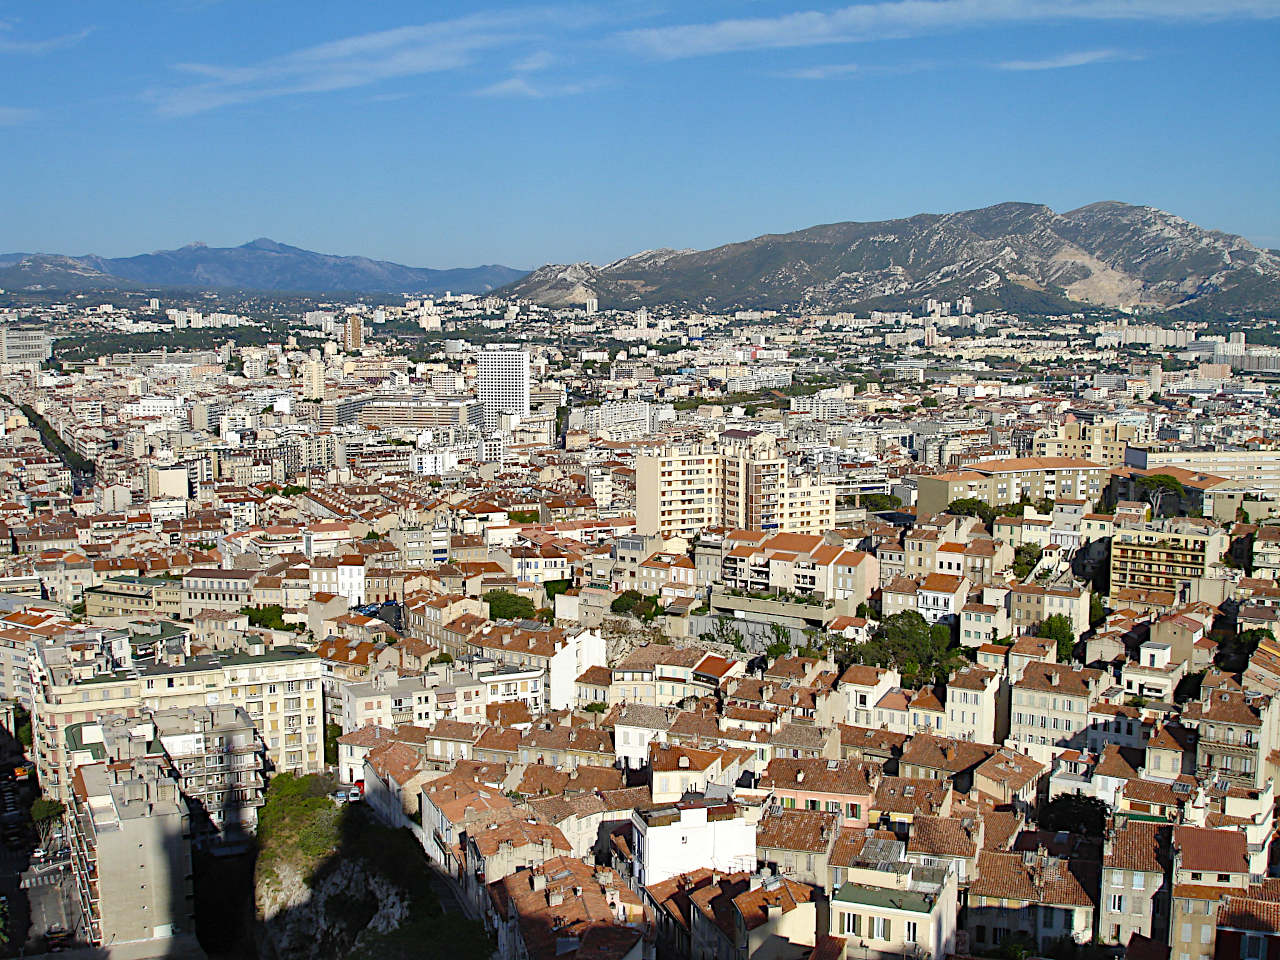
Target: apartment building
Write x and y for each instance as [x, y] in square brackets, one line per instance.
[1135, 897]
[977, 704]
[1030, 604]
[1050, 707]
[279, 689]
[1102, 441]
[895, 908]
[1004, 482]
[1236, 732]
[740, 480]
[1209, 866]
[131, 858]
[1172, 554]
[219, 762]
[211, 588]
[1257, 470]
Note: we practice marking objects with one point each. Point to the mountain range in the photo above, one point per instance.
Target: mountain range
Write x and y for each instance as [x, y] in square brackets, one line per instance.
[259, 265]
[1020, 256]
[1016, 256]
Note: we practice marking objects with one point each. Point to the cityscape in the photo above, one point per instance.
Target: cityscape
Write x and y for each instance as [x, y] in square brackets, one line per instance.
[862, 575]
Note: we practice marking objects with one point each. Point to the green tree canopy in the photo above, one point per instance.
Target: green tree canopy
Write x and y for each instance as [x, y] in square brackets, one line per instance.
[876, 502]
[1155, 487]
[504, 605]
[907, 641]
[1075, 814]
[1059, 629]
[1025, 559]
[972, 507]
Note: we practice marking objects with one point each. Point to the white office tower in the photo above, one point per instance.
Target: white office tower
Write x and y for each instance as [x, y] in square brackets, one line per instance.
[502, 384]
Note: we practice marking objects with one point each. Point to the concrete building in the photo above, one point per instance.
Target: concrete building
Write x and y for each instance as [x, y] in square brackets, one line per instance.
[1172, 554]
[1004, 482]
[219, 762]
[131, 859]
[502, 384]
[739, 481]
[683, 836]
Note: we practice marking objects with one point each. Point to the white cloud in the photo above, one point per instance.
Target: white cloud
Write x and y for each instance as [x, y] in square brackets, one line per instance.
[11, 116]
[9, 45]
[1079, 58]
[905, 18]
[821, 72]
[349, 62]
[520, 86]
[534, 62]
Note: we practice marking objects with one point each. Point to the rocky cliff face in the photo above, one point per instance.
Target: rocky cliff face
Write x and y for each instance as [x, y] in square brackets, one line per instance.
[328, 916]
[1016, 255]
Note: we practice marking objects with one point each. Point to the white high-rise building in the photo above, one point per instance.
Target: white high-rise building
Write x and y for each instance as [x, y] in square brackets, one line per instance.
[313, 380]
[502, 384]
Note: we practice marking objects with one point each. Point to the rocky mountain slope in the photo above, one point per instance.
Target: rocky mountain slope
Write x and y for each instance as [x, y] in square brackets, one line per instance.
[259, 265]
[1013, 255]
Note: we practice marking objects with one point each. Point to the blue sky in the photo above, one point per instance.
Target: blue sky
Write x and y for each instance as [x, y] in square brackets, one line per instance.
[453, 133]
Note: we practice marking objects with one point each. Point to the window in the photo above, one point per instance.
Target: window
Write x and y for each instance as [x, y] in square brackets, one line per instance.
[1184, 933]
[1139, 881]
[1224, 878]
[912, 930]
[1116, 904]
[851, 924]
[880, 927]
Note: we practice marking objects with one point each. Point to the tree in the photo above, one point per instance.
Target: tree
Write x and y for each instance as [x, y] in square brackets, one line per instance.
[626, 602]
[22, 725]
[907, 641]
[1234, 652]
[972, 507]
[46, 814]
[270, 617]
[596, 707]
[863, 611]
[876, 502]
[554, 588]
[723, 631]
[1097, 612]
[1075, 814]
[1025, 559]
[1059, 629]
[779, 641]
[1155, 487]
[504, 605]
[332, 731]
